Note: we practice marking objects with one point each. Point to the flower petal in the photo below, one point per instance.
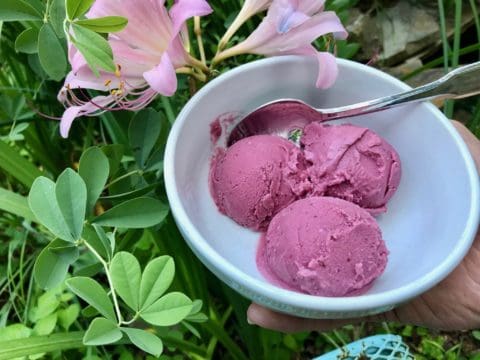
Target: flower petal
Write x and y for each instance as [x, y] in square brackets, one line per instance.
[251, 7]
[327, 70]
[67, 119]
[291, 19]
[185, 9]
[265, 40]
[73, 112]
[149, 25]
[327, 65]
[162, 78]
[75, 58]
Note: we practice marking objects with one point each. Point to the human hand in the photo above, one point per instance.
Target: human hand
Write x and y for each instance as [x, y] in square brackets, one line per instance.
[453, 304]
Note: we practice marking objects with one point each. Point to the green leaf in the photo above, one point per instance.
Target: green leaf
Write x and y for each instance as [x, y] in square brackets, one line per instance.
[46, 325]
[15, 331]
[66, 317]
[51, 267]
[94, 48]
[57, 15]
[89, 270]
[15, 204]
[107, 238]
[37, 5]
[94, 294]
[47, 303]
[476, 334]
[102, 332]
[18, 10]
[192, 329]
[97, 240]
[156, 278]
[16, 165]
[71, 194]
[114, 153]
[195, 314]
[43, 203]
[107, 24]
[126, 273]
[94, 169]
[133, 193]
[12, 349]
[196, 306]
[143, 132]
[198, 317]
[89, 312]
[51, 53]
[168, 310]
[134, 214]
[77, 8]
[27, 41]
[145, 340]
[155, 161]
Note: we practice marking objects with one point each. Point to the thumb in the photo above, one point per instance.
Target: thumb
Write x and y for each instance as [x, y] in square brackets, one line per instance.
[269, 319]
[472, 142]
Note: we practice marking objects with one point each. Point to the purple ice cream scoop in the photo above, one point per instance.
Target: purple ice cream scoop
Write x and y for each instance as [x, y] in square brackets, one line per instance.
[256, 177]
[351, 163]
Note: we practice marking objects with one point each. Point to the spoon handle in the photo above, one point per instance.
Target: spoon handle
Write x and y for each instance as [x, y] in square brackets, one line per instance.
[459, 83]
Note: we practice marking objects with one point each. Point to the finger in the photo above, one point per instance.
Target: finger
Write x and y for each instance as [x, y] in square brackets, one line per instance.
[472, 142]
[269, 319]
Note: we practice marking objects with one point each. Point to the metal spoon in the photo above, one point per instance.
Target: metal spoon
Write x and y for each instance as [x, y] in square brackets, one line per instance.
[287, 117]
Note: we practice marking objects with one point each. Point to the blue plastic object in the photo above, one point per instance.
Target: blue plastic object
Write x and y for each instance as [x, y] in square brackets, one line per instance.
[378, 347]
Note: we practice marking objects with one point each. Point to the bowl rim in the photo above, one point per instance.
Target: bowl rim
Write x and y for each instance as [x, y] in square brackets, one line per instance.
[295, 299]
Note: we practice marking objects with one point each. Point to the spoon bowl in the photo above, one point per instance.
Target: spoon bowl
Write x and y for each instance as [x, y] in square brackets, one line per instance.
[287, 117]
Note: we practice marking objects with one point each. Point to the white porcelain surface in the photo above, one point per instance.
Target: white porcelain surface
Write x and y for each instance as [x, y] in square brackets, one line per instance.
[430, 222]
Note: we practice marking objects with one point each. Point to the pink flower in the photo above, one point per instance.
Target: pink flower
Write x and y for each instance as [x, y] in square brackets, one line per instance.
[289, 28]
[249, 8]
[147, 53]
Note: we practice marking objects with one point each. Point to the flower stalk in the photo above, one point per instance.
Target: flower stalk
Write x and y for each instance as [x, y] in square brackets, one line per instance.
[198, 33]
[109, 279]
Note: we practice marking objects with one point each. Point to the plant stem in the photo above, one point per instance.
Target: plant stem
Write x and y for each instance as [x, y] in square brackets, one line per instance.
[198, 64]
[240, 19]
[47, 8]
[131, 321]
[124, 176]
[189, 71]
[230, 52]
[110, 282]
[443, 33]
[198, 32]
[473, 5]
[449, 105]
[438, 61]
[168, 109]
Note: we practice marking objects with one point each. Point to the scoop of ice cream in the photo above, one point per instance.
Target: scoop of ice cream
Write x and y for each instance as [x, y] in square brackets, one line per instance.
[257, 177]
[323, 246]
[352, 163]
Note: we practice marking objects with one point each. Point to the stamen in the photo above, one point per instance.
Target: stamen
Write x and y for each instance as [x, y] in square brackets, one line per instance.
[118, 69]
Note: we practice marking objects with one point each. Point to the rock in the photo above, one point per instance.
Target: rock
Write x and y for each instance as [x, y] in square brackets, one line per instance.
[407, 29]
[400, 30]
[404, 69]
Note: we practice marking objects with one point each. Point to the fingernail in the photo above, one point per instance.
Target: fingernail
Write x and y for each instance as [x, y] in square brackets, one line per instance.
[250, 322]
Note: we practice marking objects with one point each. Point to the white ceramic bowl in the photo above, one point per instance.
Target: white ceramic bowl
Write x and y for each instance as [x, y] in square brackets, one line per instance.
[431, 220]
